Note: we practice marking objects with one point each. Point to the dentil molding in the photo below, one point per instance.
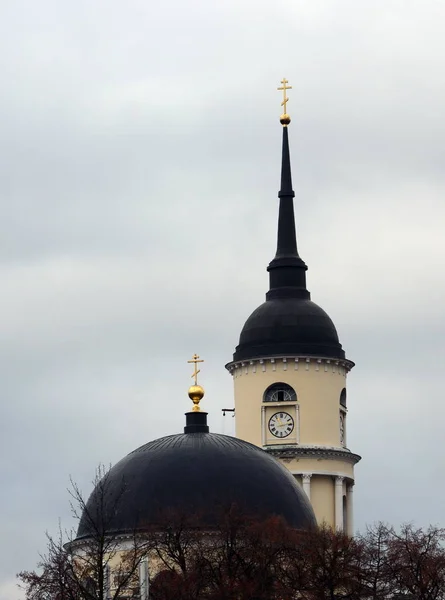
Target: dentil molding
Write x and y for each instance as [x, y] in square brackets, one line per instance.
[312, 452]
[288, 363]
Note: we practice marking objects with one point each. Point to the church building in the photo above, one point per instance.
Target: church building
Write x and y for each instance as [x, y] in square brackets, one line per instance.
[289, 461]
[289, 371]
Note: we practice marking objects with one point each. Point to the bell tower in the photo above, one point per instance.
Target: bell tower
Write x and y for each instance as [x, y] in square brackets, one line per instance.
[289, 372]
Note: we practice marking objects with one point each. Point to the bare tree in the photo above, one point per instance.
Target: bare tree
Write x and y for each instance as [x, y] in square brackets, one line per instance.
[240, 557]
[174, 541]
[416, 561]
[102, 564]
[237, 557]
[378, 584]
[333, 563]
[56, 578]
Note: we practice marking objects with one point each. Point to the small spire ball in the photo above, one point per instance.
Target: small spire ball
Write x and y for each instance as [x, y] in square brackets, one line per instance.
[285, 119]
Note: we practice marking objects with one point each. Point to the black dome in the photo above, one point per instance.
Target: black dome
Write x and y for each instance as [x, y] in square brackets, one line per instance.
[201, 474]
[288, 327]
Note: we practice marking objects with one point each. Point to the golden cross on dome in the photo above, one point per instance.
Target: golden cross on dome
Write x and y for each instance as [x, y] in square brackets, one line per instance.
[284, 87]
[195, 360]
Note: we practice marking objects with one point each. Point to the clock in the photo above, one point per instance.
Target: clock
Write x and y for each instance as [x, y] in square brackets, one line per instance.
[281, 424]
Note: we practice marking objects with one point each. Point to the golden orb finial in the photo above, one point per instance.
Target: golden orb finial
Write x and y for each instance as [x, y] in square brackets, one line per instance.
[285, 118]
[196, 392]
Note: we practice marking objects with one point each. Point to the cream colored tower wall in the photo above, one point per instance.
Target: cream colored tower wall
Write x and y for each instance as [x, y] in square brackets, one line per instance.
[314, 452]
[320, 465]
[318, 385]
[323, 499]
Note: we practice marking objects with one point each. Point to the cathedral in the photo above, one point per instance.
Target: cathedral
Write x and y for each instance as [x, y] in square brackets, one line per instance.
[289, 457]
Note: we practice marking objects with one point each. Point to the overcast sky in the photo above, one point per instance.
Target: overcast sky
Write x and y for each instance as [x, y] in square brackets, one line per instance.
[139, 170]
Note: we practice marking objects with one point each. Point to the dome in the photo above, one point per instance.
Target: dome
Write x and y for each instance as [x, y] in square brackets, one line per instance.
[199, 474]
[288, 327]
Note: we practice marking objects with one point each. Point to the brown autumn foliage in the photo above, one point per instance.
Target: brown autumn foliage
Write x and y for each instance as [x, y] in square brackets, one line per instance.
[250, 560]
[241, 559]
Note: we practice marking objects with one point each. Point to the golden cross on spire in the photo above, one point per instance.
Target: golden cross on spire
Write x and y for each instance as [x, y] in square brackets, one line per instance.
[195, 360]
[284, 119]
[284, 87]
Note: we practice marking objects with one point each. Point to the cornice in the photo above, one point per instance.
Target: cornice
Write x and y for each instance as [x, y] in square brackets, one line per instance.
[123, 539]
[290, 363]
[289, 452]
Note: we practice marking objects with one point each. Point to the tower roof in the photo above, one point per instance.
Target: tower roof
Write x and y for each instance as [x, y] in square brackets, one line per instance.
[288, 323]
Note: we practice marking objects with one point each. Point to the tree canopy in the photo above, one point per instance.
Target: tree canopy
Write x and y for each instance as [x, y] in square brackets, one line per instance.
[243, 559]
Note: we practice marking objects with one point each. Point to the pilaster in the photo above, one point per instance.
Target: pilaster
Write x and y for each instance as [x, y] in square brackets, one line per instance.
[339, 503]
[306, 480]
[350, 509]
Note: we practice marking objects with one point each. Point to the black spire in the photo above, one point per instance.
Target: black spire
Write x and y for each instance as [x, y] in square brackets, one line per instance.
[287, 271]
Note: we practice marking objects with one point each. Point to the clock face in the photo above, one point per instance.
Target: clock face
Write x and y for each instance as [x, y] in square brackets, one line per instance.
[281, 424]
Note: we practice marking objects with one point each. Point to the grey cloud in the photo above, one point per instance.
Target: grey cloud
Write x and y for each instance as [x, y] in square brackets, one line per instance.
[138, 177]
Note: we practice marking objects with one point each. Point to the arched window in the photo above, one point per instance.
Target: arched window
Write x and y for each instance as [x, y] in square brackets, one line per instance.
[280, 392]
[343, 397]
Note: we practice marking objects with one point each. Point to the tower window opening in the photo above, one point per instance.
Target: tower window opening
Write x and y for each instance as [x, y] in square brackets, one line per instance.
[280, 392]
[343, 397]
